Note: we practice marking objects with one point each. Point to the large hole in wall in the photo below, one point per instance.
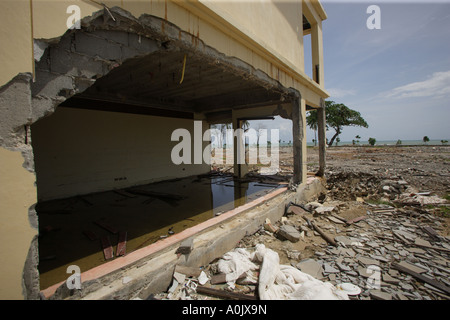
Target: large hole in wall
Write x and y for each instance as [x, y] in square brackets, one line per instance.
[102, 173]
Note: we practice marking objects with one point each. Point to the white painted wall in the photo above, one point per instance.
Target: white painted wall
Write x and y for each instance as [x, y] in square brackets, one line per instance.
[83, 151]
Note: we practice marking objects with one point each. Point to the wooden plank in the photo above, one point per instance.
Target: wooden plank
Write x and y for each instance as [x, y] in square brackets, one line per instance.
[430, 231]
[224, 294]
[107, 248]
[106, 226]
[324, 236]
[422, 278]
[122, 244]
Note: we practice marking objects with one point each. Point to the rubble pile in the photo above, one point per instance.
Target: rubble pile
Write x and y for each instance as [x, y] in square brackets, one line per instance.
[388, 253]
[368, 253]
[372, 236]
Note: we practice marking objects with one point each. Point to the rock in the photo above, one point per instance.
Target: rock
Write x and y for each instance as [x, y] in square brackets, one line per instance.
[324, 210]
[289, 233]
[380, 295]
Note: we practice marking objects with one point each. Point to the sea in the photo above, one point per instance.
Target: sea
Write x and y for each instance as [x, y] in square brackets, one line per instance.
[393, 143]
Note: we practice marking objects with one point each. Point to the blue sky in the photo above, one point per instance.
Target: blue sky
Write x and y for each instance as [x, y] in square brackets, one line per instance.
[397, 77]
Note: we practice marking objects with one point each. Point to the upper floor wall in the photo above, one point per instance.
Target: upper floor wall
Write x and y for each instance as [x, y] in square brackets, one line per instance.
[267, 34]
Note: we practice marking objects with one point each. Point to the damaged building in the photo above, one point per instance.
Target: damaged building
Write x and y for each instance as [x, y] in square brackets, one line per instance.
[90, 96]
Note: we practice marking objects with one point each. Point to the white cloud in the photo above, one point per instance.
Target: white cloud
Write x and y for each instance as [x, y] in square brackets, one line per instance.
[339, 93]
[438, 85]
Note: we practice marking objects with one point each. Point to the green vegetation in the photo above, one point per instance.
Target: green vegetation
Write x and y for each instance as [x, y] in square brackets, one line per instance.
[337, 116]
[372, 141]
[444, 142]
[399, 142]
[425, 139]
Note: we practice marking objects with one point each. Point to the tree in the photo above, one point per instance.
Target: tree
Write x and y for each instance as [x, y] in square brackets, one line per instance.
[357, 137]
[372, 141]
[337, 116]
[425, 139]
[312, 122]
[338, 140]
[399, 142]
[444, 141]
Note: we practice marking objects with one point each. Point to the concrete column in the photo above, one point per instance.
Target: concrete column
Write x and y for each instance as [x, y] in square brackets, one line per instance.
[299, 139]
[240, 167]
[321, 127]
[317, 53]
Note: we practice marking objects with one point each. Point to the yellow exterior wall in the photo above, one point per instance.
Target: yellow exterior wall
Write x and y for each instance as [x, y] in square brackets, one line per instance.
[17, 195]
[16, 49]
[265, 34]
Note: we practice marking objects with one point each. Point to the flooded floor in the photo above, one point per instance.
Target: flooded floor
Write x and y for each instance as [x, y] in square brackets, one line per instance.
[147, 213]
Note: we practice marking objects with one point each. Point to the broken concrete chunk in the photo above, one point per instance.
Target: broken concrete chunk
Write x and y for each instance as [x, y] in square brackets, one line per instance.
[312, 205]
[422, 242]
[289, 233]
[411, 267]
[203, 278]
[388, 279]
[186, 246]
[269, 226]
[368, 261]
[179, 277]
[324, 210]
[329, 269]
[380, 295]
[344, 240]
[311, 267]
[343, 267]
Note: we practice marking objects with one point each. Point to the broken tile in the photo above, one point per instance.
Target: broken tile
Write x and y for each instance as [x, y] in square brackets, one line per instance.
[387, 278]
[380, 295]
[368, 261]
[343, 267]
[329, 269]
[412, 267]
[311, 267]
[289, 233]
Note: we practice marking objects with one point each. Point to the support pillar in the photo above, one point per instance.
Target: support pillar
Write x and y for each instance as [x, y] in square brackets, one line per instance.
[317, 53]
[299, 138]
[240, 167]
[321, 127]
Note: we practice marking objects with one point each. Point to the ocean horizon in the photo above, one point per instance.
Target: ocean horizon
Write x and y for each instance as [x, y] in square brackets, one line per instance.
[389, 143]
